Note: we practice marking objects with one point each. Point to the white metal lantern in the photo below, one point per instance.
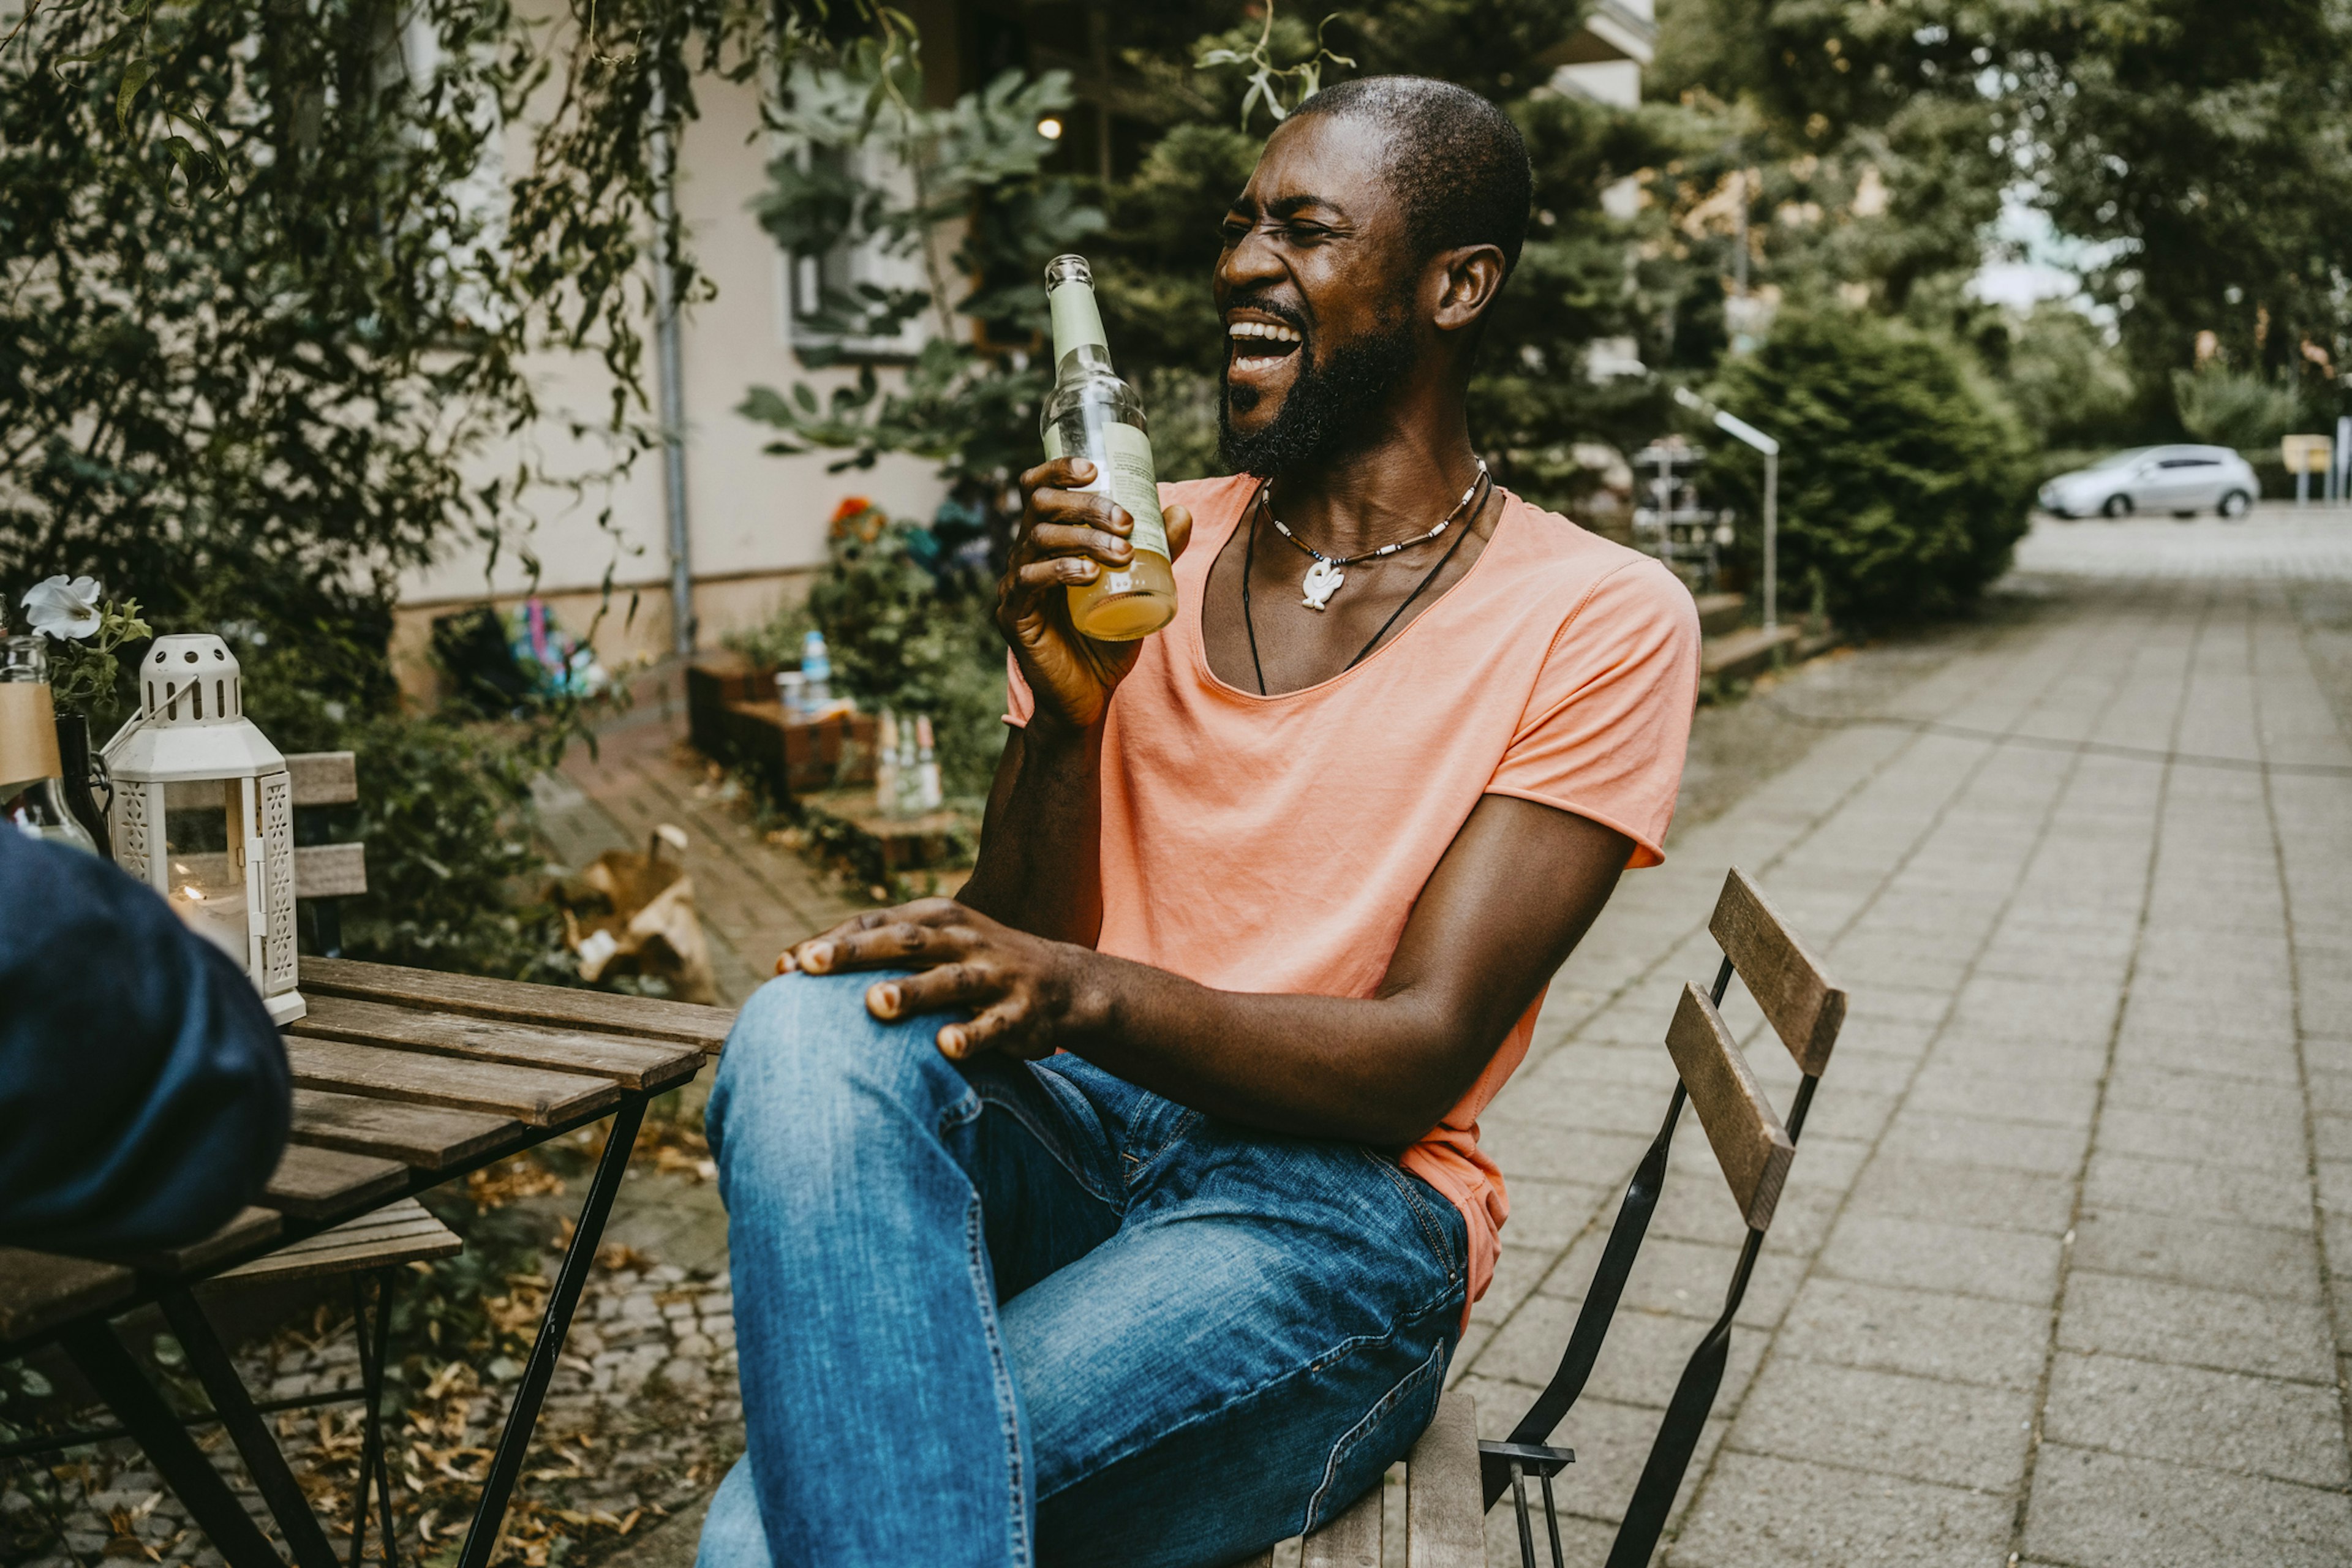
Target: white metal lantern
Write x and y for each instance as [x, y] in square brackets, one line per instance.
[204, 812]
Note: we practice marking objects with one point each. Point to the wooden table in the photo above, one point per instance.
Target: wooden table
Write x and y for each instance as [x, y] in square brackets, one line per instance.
[404, 1079]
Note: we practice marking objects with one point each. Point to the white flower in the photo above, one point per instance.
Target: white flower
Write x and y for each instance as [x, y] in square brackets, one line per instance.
[63, 609]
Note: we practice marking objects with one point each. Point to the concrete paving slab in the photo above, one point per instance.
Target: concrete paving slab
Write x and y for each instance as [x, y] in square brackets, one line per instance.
[1927, 1254]
[2213, 1192]
[2258, 1260]
[1920, 1428]
[2187, 1326]
[1923, 1334]
[2106, 1510]
[1759, 1511]
[1900, 1185]
[2261, 1426]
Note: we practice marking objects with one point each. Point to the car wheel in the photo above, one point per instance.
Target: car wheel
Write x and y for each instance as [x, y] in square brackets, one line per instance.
[2116, 506]
[2237, 503]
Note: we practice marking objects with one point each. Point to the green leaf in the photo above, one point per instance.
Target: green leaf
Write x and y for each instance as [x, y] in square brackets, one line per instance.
[135, 77]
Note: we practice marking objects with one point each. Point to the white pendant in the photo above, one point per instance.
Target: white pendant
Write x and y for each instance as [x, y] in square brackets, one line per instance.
[1322, 581]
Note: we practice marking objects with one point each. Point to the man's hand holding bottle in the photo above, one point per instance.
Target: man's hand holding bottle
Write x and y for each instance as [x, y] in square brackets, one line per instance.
[1069, 535]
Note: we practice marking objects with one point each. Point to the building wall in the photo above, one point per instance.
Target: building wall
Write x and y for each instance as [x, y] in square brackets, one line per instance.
[756, 522]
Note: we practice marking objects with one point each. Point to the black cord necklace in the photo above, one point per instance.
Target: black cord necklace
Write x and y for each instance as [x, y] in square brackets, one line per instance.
[1483, 486]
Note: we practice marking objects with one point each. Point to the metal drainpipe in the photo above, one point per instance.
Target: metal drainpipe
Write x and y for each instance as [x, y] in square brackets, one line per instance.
[671, 375]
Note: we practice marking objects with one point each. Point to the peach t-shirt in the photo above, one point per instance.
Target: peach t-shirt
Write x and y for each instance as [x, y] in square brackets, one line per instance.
[1279, 844]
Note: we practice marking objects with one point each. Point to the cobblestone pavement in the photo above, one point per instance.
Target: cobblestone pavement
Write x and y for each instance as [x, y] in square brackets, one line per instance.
[642, 1416]
[2062, 1274]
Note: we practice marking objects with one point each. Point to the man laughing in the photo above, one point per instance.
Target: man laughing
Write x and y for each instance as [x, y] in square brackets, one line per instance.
[1127, 1208]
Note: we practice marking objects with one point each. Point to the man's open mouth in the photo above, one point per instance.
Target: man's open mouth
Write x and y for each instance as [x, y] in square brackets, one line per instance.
[1257, 347]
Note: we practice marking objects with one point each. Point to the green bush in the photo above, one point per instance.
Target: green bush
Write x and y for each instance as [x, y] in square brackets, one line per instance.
[1903, 483]
[445, 807]
[905, 635]
[2221, 405]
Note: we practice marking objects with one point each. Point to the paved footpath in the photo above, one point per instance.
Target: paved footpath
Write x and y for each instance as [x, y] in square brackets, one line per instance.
[2063, 1270]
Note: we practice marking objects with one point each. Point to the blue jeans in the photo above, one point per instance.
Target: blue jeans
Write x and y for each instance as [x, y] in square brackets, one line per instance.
[1007, 1313]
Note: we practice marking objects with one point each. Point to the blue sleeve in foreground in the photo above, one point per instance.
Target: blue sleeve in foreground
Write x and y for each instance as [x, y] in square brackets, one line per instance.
[143, 1091]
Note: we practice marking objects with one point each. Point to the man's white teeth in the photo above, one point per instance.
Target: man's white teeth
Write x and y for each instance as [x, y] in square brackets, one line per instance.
[1252, 363]
[1277, 332]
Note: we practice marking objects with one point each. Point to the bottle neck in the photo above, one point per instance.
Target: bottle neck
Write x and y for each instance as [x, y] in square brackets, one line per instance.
[1077, 325]
[1087, 358]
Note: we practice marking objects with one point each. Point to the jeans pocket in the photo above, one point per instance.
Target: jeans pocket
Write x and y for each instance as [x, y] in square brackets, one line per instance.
[1158, 1135]
[1365, 1451]
[1439, 1223]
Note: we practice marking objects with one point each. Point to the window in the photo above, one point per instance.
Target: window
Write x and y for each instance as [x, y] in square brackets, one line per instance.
[823, 295]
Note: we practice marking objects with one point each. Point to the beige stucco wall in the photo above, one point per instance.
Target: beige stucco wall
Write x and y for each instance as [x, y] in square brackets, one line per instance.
[757, 521]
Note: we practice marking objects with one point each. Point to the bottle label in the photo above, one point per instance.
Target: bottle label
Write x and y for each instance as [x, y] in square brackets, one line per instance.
[1123, 471]
[1077, 319]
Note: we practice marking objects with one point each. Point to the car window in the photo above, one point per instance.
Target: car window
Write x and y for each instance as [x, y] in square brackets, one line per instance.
[2190, 463]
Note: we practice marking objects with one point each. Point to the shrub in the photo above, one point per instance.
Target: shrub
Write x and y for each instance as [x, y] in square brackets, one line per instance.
[445, 807]
[909, 626]
[2229, 409]
[1903, 483]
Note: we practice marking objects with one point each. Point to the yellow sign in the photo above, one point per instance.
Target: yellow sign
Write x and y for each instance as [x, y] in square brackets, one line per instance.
[2305, 453]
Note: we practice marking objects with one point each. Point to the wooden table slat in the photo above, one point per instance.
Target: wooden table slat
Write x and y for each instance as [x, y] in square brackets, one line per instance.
[250, 1228]
[398, 1233]
[629, 1062]
[38, 1290]
[514, 1001]
[316, 1183]
[535, 1095]
[431, 1138]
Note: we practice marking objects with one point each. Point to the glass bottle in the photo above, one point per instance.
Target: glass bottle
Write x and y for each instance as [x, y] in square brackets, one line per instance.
[1092, 413]
[32, 791]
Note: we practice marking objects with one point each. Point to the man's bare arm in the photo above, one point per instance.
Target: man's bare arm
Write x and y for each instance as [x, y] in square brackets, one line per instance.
[1515, 893]
[1041, 840]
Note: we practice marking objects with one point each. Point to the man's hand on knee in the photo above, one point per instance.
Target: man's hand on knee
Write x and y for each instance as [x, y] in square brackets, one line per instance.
[1027, 995]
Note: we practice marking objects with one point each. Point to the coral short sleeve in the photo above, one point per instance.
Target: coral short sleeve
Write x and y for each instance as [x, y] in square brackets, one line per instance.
[1603, 732]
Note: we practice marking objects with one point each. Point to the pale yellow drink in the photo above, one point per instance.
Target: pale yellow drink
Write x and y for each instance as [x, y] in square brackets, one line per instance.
[1092, 413]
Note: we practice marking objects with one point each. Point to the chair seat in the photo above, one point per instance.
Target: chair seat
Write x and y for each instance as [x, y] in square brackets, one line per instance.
[1444, 1510]
[387, 1237]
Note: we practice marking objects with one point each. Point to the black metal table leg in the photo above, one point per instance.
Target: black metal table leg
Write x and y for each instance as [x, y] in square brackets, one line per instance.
[263, 1460]
[522, 1416]
[183, 1464]
[385, 1281]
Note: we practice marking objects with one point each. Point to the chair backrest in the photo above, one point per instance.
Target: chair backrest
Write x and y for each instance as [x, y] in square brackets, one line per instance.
[325, 873]
[1753, 1147]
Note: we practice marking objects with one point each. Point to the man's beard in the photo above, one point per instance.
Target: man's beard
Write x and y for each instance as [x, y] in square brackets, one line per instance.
[1329, 411]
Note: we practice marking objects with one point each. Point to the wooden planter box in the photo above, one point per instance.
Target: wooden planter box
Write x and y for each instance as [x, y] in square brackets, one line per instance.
[732, 715]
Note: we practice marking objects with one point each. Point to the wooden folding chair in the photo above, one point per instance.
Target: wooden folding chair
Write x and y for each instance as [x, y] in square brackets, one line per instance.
[1754, 1150]
[1451, 1482]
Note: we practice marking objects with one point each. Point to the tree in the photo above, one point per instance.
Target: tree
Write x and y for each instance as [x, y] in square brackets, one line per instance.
[2195, 149]
[1903, 484]
[265, 300]
[970, 398]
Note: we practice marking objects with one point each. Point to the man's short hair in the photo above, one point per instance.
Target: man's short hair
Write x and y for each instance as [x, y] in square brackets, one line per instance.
[1456, 162]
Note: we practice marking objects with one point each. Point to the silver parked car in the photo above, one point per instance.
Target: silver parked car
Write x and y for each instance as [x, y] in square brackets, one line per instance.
[2182, 480]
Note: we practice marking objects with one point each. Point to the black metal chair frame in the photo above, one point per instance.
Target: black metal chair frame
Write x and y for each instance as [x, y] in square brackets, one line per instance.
[1504, 1465]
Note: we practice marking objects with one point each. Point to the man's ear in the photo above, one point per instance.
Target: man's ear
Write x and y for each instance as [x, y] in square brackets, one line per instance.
[1467, 281]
